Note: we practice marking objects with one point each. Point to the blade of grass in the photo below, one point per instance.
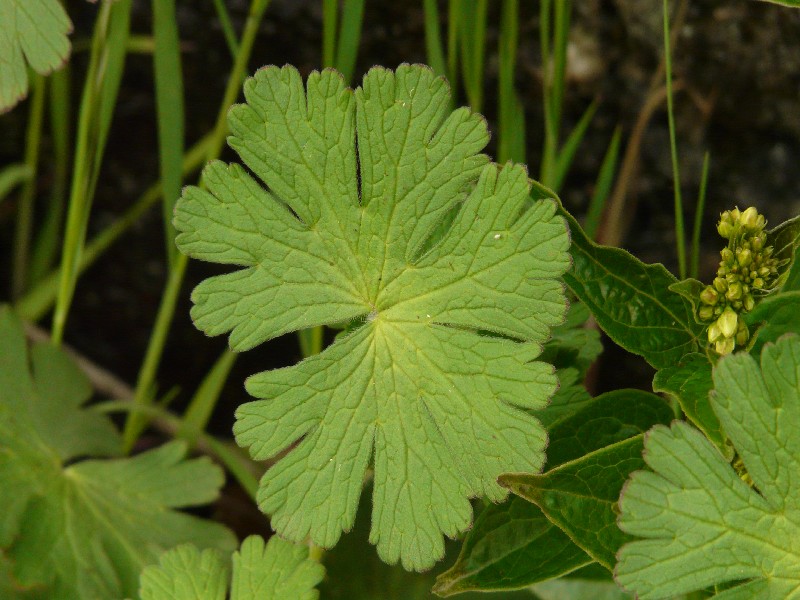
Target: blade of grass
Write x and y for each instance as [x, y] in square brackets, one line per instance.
[169, 112]
[97, 104]
[227, 27]
[473, 44]
[196, 417]
[698, 218]
[40, 299]
[433, 38]
[48, 240]
[24, 225]
[554, 33]
[602, 188]
[330, 14]
[12, 176]
[563, 8]
[349, 37]
[135, 424]
[566, 154]
[454, 18]
[680, 241]
[510, 144]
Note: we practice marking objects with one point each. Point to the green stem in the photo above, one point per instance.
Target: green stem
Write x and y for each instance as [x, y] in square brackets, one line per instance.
[97, 105]
[330, 14]
[680, 241]
[698, 218]
[135, 424]
[47, 242]
[433, 39]
[227, 27]
[35, 304]
[24, 228]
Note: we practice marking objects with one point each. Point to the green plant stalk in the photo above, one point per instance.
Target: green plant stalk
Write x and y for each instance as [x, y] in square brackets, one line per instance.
[12, 176]
[433, 38]
[549, 148]
[698, 219]
[239, 466]
[349, 36]
[602, 189]
[507, 96]
[473, 43]
[566, 155]
[35, 304]
[24, 225]
[454, 18]
[47, 241]
[680, 241]
[97, 105]
[554, 65]
[196, 417]
[169, 112]
[330, 14]
[227, 27]
[135, 424]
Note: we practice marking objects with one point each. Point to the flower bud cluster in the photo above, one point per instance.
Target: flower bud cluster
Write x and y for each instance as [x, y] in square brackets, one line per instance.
[747, 266]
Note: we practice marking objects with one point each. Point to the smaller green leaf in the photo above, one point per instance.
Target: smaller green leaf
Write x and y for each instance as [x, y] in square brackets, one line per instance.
[774, 316]
[185, 573]
[31, 33]
[513, 544]
[571, 344]
[785, 238]
[562, 589]
[631, 300]
[689, 382]
[702, 524]
[569, 398]
[789, 3]
[690, 289]
[78, 528]
[581, 496]
[610, 418]
[277, 569]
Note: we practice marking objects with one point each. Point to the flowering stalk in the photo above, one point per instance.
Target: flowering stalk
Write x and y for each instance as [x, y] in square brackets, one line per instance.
[747, 267]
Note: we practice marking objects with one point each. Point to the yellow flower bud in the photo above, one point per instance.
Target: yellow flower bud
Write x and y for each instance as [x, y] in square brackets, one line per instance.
[714, 333]
[709, 295]
[725, 346]
[727, 254]
[706, 312]
[749, 303]
[744, 257]
[728, 322]
[749, 218]
[720, 284]
[734, 291]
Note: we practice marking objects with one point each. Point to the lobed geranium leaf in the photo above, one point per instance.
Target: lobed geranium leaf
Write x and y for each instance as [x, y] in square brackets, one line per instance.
[74, 528]
[703, 524]
[426, 243]
[31, 33]
[514, 545]
[631, 300]
[277, 569]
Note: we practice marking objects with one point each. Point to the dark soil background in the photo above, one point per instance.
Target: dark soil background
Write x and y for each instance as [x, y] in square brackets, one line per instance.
[739, 63]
